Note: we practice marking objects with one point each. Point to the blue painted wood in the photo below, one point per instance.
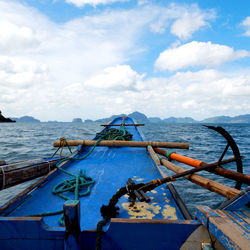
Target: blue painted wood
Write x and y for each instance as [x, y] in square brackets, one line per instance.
[72, 224]
[238, 201]
[240, 218]
[229, 228]
[29, 233]
[110, 167]
[146, 235]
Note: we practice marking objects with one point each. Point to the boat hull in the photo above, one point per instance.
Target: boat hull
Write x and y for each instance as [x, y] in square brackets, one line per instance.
[163, 223]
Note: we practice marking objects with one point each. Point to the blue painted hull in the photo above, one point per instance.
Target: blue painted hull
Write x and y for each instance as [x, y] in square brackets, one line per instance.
[161, 224]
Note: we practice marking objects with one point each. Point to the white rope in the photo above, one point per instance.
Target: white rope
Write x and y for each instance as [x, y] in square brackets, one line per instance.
[49, 165]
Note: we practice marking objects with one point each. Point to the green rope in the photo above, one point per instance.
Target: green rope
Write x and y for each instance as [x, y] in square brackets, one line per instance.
[115, 134]
[81, 181]
[74, 185]
[168, 154]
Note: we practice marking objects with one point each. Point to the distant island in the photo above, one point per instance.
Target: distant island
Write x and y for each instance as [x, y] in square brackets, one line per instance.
[26, 119]
[142, 118]
[3, 119]
[78, 120]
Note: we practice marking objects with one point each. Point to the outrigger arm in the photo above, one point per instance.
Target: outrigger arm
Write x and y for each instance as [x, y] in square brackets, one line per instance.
[232, 144]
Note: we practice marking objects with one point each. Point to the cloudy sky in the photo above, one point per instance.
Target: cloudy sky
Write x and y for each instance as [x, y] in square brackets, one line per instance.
[61, 59]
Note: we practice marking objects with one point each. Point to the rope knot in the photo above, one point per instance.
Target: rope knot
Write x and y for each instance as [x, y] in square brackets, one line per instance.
[156, 182]
[109, 211]
[63, 142]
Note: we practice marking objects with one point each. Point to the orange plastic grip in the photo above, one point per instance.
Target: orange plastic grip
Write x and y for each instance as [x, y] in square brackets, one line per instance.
[186, 160]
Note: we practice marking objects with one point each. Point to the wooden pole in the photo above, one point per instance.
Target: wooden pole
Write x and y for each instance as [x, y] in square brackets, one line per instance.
[118, 143]
[71, 211]
[2, 163]
[230, 174]
[203, 182]
[21, 164]
[10, 176]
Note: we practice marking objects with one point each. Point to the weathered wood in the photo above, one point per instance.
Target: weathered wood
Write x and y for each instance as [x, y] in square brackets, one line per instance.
[21, 164]
[71, 210]
[230, 174]
[26, 191]
[118, 143]
[152, 221]
[225, 226]
[29, 189]
[203, 182]
[154, 157]
[2, 163]
[12, 178]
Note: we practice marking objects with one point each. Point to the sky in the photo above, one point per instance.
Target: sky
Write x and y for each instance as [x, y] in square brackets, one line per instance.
[62, 59]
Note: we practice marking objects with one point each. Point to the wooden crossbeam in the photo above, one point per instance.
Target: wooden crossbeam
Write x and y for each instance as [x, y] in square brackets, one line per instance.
[119, 143]
[135, 125]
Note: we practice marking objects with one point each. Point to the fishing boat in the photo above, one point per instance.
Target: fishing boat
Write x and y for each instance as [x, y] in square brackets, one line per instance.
[113, 192]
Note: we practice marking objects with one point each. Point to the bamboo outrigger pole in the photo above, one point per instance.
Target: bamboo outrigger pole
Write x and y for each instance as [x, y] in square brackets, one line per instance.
[118, 143]
[244, 178]
[201, 181]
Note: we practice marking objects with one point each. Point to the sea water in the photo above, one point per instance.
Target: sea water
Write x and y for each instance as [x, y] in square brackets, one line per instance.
[25, 141]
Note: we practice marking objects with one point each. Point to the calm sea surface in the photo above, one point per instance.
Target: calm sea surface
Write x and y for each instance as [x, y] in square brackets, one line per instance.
[25, 141]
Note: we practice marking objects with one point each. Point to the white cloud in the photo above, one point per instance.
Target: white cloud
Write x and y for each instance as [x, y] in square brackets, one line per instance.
[184, 20]
[75, 69]
[197, 54]
[117, 78]
[183, 94]
[195, 94]
[185, 26]
[21, 73]
[142, 2]
[246, 24]
[14, 38]
[65, 53]
[80, 3]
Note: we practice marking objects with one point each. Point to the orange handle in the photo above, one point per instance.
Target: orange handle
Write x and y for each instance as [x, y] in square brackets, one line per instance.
[186, 160]
[180, 158]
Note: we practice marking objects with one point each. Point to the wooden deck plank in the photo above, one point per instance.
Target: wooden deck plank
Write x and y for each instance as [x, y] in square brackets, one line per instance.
[238, 220]
[227, 227]
[244, 216]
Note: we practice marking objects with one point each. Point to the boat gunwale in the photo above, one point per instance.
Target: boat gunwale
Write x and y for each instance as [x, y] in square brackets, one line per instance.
[16, 200]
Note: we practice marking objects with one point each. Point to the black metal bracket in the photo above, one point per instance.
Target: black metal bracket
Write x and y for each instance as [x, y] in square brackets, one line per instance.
[134, 193]
[232, 144]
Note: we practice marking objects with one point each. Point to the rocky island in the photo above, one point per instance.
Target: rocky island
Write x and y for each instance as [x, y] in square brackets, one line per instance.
[3, 119]
[78, 120]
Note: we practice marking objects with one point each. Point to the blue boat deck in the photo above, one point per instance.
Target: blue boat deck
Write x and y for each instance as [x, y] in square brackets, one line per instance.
[164, 223]
[110, 167]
